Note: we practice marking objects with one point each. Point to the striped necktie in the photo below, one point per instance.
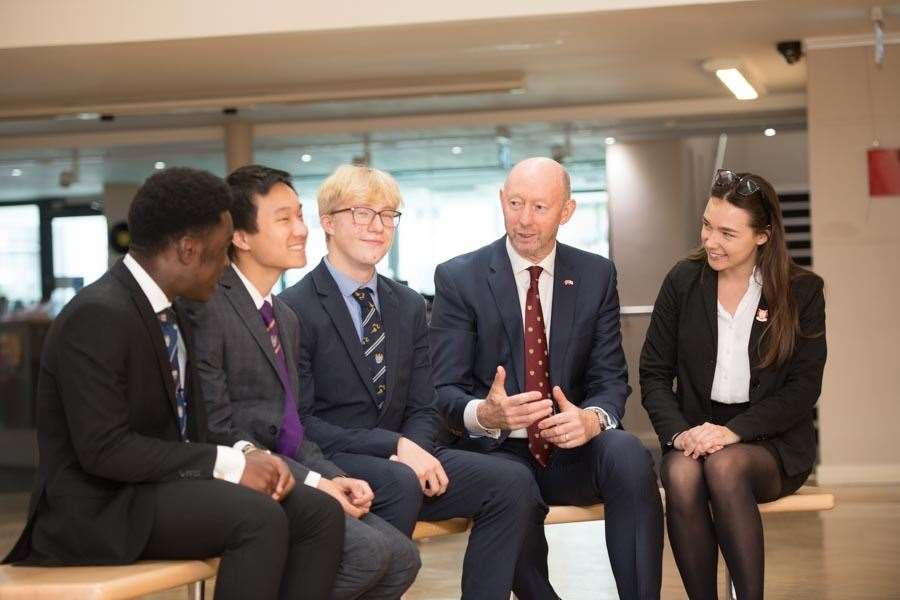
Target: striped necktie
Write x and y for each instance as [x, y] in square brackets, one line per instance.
[169, 325]
[373, 342]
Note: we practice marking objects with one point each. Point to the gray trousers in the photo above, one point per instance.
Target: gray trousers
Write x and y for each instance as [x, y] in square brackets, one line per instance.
[378, 562]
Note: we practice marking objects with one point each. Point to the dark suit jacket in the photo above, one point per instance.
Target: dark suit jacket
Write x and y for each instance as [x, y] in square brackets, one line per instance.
[335, 381]
[476, 324]
[681, 345]
[237, 372]
[107, 428]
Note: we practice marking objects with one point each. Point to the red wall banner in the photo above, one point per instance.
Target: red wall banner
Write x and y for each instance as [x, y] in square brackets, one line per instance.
[884, 172]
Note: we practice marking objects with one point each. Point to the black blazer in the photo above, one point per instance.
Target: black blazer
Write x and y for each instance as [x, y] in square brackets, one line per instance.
[107, 426]
[476, 324]
[337, 396]
[238, 374]
[681, 346]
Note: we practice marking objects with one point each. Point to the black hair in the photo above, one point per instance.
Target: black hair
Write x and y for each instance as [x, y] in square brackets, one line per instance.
[172, 203]
[247, 182]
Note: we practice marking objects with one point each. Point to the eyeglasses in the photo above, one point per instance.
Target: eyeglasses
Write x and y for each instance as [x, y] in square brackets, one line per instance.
[725, 181]
[363, 215]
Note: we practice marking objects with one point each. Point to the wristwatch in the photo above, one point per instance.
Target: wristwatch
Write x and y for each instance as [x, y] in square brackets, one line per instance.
[605, 420]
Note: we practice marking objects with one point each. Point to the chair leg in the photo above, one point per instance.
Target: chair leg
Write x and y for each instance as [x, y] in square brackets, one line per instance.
[197, 590]
[730, 592]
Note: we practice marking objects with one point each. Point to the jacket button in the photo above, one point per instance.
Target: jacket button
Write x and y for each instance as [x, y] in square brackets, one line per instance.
[273, 430]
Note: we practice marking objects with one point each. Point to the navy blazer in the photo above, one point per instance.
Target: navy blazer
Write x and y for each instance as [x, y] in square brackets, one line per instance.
[476, 324]
[336, 393]
[681, 346]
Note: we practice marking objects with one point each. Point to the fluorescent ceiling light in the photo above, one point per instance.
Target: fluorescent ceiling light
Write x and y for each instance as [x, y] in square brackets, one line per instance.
[735, 81]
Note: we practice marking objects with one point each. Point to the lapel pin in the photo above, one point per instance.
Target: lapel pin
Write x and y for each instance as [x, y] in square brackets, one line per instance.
[762, 315]
[568, 282]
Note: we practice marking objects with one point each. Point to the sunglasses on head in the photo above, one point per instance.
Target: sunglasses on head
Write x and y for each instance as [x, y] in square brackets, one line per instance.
[725, 181]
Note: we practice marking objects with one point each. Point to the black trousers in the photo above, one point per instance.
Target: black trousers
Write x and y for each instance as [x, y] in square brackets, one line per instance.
[499, 495]
[269, 550]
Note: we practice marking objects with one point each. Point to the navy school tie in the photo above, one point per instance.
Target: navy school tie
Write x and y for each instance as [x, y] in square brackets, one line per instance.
[373, 342]
[169, 325]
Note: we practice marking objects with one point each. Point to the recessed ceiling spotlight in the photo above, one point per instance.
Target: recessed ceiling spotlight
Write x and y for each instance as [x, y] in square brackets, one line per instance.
[769, 132]
[306, 157]
[456, 150]
[609, 141]
[159, 165]
[16, 172]
[87, 116]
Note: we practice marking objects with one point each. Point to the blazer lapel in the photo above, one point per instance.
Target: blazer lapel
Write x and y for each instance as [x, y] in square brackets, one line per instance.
[240, 300]
[756, 332]
[563, 312]
[503, 286]
[390, 309]
[709, 285]
[334, 305]
[151, 322]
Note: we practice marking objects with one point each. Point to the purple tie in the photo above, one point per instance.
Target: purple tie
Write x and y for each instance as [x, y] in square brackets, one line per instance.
[291, 435]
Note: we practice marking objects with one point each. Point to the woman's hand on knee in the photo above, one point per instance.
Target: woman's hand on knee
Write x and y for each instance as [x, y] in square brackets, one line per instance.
[712, 438]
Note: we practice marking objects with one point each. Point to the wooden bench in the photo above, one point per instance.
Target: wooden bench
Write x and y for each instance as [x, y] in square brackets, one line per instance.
[145, 577]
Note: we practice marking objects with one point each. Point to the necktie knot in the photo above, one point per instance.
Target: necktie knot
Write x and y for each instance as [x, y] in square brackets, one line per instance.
[166, 316]
[535, 273]
[267, 313]
[364, 297]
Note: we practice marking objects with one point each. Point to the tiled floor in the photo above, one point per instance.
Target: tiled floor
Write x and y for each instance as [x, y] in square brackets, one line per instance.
[852, 552]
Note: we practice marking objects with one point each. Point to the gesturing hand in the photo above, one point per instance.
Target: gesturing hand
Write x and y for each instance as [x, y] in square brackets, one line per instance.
[428, 469]
[572, 426]
[499, 411]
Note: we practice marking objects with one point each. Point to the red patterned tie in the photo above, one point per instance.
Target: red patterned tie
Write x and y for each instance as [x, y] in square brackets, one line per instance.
[537, 362]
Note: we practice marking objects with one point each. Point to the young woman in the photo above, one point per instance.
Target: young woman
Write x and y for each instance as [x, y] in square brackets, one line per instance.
[741, 329]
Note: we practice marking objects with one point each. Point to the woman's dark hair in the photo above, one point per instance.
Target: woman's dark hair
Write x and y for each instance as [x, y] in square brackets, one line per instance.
[172, 203]
[246, 183]
[773, 260]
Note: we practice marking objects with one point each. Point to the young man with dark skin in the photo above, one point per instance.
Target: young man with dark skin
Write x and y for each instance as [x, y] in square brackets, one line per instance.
[127, 467]
[247, 346]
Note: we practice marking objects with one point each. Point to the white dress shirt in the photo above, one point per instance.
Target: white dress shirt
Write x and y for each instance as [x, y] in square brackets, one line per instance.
[520, 267]
[731, 383]
[312, 477]
[230, 462]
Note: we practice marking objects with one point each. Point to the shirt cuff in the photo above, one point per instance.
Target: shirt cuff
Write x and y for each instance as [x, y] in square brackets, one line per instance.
[470, 420]
[229, 465]
[312, 479]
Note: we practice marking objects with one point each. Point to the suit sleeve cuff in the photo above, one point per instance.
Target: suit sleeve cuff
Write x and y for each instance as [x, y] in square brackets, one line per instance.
[470, 420]
[312, 479]
[230, 464]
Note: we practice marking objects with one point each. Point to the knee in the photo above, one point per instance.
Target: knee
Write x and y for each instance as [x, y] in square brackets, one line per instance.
[404, 484]
[263, 520]
[405, 557]
[624, 455]
[682, 478]
[724, 474]
[515, 484]
[317, 512]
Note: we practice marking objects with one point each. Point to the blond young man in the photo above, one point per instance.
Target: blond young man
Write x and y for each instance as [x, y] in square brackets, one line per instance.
[366, 380]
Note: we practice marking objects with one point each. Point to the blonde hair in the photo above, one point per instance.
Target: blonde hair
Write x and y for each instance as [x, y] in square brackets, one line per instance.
[357, 184]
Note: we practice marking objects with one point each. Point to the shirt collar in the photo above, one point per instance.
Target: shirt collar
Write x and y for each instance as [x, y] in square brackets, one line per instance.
[158, 299]
[348, 285]
[519, 263]
[254, 293]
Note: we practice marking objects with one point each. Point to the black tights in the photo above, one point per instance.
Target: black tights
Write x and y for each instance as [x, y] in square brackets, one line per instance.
[731, 482]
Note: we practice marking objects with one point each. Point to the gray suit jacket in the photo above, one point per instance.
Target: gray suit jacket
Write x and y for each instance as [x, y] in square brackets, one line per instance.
[236, 367]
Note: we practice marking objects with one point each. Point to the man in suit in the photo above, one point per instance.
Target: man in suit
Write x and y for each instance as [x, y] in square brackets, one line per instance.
[496, 360]
[247, 346]
[118, 402]
[366, 381]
